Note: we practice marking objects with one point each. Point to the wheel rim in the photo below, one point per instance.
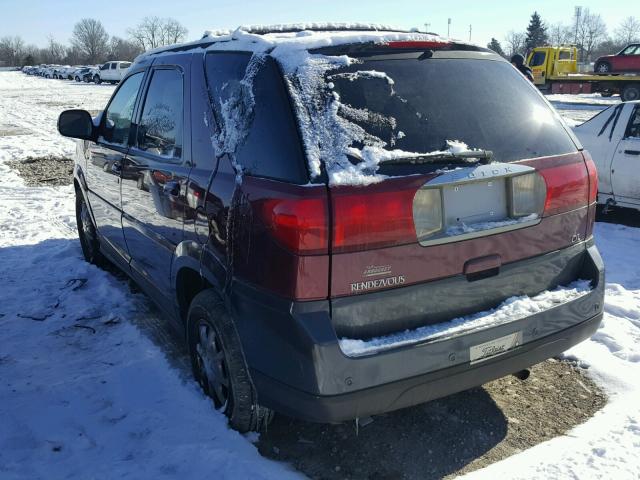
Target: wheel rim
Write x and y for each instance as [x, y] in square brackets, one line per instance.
[87, 232]
[213, 375]
[631, 94]
[603, 68]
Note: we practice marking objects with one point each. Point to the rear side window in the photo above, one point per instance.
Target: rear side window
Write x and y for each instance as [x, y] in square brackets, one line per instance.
[113, 66]
[633, 130]
[161, 124]
[255, 117]
[117, 117]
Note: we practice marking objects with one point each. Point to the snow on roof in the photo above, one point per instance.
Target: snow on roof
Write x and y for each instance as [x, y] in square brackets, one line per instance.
[300, 36]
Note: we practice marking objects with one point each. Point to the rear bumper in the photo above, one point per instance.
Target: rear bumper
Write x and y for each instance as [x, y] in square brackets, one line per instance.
[299, 369]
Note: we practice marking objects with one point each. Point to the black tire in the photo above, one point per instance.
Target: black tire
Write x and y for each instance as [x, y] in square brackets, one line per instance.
[602, 67]
[219, 365]
[85, 79]
[631, 92]
[87, 232]
[97, 80]
[77, 79]
[606, 93]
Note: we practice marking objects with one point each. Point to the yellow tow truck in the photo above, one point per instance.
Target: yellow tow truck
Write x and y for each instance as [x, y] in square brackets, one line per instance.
[556, 69]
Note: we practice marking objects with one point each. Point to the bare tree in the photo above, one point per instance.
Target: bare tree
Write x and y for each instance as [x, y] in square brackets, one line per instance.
[591, 32]
[120, 49]
[515, 42]
[90, 37]
[173, 31]
[560, 34]
[155, 32]
[54, 52]
[628, 31]
[12, 51]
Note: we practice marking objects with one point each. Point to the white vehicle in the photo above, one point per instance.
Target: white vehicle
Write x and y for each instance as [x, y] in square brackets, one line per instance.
[613, 139]
[111, 72]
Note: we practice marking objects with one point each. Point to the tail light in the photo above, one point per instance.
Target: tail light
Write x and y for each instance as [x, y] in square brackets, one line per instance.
[568, 186]
[593, 176]
[298, 225]
[373, 219]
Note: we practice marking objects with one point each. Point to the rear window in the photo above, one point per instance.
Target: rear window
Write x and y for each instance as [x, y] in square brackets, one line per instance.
[419, 105]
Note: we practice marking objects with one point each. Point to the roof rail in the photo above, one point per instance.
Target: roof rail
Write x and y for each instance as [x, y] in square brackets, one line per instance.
[325, 27]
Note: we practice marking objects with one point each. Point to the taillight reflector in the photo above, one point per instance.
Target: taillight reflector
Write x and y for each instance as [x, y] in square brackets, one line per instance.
[372, 220]
[299, 225]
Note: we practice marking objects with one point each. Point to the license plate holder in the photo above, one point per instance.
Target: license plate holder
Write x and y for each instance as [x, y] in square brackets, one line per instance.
[493, 348]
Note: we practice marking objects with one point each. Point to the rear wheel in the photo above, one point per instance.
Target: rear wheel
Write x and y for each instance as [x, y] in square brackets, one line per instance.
[603, 67]
[77, 79]
[631, 92]
[87, 232]
[219, 364]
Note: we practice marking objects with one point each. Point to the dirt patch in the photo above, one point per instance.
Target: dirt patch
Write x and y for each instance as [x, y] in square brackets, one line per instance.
[45, 171]
[445, 437]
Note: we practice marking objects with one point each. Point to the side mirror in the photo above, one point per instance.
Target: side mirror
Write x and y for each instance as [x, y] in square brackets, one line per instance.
[76, 124]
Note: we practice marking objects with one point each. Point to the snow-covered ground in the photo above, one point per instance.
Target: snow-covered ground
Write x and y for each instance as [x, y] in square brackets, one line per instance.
[85, 394]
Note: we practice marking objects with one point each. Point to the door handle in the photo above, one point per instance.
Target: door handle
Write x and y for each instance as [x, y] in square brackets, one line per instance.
[632, 152]
[171, 188]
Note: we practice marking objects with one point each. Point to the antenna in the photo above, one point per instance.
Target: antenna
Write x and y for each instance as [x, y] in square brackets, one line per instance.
[469, 32]
[448, 28]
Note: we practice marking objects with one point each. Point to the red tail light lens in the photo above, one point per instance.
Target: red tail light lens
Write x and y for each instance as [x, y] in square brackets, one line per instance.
[593, 176]
[373, 219]
[299, 225]
[567, 187]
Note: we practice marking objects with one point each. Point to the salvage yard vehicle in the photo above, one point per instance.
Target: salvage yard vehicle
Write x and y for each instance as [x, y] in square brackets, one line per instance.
[111, 72]
[342, 221]
[626, 60]
[613, 138]
[555, 69]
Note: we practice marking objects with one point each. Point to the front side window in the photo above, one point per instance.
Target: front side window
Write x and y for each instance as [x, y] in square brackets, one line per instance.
[104, 67]
[160, 128]
[538, 59]
[117, 118]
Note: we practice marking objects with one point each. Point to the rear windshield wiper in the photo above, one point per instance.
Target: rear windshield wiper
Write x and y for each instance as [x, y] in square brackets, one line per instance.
[470, 157]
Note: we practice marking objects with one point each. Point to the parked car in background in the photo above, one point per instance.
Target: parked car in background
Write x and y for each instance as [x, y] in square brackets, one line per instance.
[613, 138]
[626, 60]
[79, 74]
[318, 230]
[111, 72]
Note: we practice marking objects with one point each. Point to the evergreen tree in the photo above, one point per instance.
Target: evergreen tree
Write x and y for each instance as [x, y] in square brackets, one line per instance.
[536, 33]
[495, 46]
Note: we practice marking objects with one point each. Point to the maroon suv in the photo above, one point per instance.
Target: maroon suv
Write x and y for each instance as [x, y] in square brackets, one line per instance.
[342, 221]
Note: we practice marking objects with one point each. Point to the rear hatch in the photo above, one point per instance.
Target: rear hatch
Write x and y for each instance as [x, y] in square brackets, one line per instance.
[458, 174]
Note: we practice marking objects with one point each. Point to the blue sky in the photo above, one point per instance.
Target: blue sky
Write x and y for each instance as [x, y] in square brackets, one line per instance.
[35, 20]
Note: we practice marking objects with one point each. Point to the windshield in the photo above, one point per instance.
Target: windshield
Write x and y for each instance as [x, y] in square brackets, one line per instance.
[419, 106]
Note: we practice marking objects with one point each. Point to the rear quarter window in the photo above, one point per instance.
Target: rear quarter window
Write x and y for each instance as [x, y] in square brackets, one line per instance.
[254, 107]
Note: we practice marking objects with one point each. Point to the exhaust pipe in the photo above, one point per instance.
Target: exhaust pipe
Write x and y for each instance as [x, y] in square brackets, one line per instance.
[522, 374]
